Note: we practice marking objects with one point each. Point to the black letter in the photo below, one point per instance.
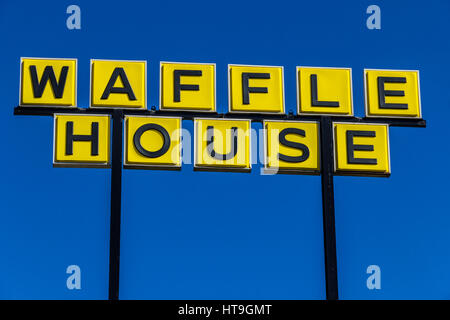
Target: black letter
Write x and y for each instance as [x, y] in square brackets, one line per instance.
[390, 93]
[70, 138]
[49, 74]
[358, 147]
[210, 144]
[292, 144]
[156, 127]
[314, 99]
[177, 87]
[246, 89]
[118, 72]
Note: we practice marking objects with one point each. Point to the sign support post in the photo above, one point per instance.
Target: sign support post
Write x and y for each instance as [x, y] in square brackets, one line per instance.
[329, 232]
[116, 204]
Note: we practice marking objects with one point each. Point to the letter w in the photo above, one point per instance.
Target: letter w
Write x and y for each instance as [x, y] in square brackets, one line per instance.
[49, 74]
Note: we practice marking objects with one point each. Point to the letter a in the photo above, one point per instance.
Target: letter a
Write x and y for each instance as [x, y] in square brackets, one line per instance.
[374, 280]
[373, 21]
[74, 20]
[74, 280]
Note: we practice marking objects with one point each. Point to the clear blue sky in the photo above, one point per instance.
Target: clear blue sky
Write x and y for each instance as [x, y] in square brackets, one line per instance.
[200, 235]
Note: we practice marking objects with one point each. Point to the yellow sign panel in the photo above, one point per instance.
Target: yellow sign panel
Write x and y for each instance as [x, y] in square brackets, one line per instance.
[188, 86]
[362, 148]
[118, 84]
[222, 144]
[255, 89]
[292, 146]
[81, 140]
[392, 93]
[324, 91]
[48, 82]
[152, 142]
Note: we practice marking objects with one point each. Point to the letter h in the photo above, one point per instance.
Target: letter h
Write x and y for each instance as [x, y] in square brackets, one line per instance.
[70, 138]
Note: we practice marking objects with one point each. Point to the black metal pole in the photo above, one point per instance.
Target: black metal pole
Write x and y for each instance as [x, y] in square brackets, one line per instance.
[116, 202]
[329, 232]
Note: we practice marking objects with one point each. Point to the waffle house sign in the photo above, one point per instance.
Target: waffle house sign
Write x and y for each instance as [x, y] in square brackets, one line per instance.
[118, 131]
[222, 142]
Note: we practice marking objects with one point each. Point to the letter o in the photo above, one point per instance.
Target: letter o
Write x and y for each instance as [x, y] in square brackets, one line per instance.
[151, 126]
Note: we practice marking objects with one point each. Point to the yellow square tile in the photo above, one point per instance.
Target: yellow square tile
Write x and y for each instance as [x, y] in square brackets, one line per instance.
[292, 146]
[324, 91]
[187, 86]
[118, 84]
[392, 93]
[255, 89]
[48, 82]
[362, 148]
[222, 144]
[152, 142]
[81, 140]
